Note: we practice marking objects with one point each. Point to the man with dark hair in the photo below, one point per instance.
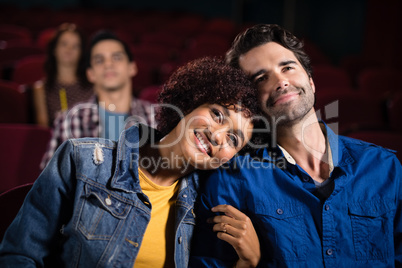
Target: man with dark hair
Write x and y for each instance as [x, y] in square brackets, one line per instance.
[316, 199]
[110, 67]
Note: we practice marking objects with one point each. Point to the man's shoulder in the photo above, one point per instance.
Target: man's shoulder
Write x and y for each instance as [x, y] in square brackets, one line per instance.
[141, 105]
[261, 160]
[78, 109]
[360, 149]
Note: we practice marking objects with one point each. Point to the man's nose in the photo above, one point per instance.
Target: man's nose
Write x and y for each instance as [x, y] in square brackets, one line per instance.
[108, 62]
[281, 82]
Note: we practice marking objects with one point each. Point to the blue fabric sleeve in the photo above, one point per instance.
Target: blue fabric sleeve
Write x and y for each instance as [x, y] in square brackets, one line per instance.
[32, 238]
[207, 250]
[398, 216]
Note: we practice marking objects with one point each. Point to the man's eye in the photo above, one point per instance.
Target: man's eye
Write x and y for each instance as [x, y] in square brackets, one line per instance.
[97, 61]
[218, 116]
[260, 79]
[117, 57]
[233, 140]
[287, 68]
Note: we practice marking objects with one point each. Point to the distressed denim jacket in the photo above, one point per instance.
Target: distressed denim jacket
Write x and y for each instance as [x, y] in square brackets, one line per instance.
[87, 209]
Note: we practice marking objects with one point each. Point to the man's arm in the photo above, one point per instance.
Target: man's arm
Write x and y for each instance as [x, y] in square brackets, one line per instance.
[398, 216]
[208, 248]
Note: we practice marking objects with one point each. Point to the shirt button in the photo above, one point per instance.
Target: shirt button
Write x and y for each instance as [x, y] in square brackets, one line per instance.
[305, 179]
[108, 201]
[329, 252]
[326, 207]
[279, 211]
[180, 239]
[185, 196]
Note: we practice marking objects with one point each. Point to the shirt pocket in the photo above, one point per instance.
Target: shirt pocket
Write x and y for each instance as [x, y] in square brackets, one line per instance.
[101, 214]
[372, 228]
[284, 230]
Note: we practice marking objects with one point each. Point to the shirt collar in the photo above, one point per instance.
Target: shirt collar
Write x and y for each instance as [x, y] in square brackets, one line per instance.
[337, 155]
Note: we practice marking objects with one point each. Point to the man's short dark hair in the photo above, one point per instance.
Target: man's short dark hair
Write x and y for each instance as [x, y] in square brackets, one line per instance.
[107, 35]
[264, 33]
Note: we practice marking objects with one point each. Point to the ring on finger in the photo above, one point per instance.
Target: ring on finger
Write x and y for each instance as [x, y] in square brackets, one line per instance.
[224, 228]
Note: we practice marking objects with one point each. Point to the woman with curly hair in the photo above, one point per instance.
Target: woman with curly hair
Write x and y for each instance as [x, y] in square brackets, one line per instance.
[130, 203]
[65, 82]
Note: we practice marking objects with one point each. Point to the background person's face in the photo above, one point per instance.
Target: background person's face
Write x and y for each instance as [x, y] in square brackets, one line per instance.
[110, 68]
[212, 135]
[68, 49]
[286, 91]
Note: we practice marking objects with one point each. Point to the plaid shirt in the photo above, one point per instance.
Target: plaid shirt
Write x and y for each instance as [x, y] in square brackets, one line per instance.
[82, 120]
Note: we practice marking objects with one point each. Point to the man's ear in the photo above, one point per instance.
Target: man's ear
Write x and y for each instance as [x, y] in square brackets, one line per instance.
[133, 69]
[312, 84]
[90, 75]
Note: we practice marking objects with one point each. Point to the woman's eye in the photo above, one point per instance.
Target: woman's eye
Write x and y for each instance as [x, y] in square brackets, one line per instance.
[218, 116]
[233, 140]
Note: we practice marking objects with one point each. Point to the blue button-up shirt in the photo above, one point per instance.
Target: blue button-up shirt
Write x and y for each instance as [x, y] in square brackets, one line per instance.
[358, 225]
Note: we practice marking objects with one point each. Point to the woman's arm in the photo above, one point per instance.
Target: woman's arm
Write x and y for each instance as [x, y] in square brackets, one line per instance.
[39, 99]
[33, 237]
[237, 229]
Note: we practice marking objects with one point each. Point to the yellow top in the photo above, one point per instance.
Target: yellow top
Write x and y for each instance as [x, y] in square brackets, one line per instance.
[63, 99]
[157, 247]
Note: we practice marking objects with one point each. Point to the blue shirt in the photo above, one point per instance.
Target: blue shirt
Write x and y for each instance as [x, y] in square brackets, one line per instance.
[112, 123]
[87, 209]
[358, 225]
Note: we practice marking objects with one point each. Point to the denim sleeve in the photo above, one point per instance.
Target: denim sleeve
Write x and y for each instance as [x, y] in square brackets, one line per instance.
[207, 250]
[32, 238]
[398, 216]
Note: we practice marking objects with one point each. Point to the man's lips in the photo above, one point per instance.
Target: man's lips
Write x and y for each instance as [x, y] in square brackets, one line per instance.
[109, 74]
[285, 98]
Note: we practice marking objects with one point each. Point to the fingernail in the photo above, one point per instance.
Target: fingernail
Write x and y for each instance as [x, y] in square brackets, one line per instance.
[213, 209]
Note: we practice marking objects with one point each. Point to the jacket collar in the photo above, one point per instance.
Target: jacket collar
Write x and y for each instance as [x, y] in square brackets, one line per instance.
[125, 176]
[126, 173]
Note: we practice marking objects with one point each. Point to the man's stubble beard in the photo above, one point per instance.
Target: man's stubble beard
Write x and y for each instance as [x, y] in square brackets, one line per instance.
[288, 114]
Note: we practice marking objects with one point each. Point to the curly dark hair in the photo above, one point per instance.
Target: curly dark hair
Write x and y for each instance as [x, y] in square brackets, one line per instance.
[205, 80]
[50, 64]
[261, 34]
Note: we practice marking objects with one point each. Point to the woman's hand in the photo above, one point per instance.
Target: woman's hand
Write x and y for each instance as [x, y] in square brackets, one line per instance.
[237, 229]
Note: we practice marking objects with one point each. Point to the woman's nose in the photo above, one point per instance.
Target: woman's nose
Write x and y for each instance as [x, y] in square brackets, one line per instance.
[219, 137]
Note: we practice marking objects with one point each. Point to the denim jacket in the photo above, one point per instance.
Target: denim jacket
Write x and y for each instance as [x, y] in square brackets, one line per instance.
[87, 209]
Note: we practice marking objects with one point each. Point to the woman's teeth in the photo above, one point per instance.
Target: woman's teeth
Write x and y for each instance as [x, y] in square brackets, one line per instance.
[203, 143]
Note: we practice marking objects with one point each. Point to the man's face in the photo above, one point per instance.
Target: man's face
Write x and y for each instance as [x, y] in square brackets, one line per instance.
[110, 68]
[286, 91]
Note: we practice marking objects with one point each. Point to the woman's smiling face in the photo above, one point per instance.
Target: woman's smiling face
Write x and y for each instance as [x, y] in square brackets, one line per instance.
[212, 134]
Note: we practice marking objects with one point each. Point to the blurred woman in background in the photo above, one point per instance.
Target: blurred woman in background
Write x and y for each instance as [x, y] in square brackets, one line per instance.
[65, 83]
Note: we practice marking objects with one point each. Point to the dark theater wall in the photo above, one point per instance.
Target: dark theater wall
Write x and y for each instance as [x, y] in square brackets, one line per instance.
[339, 28]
